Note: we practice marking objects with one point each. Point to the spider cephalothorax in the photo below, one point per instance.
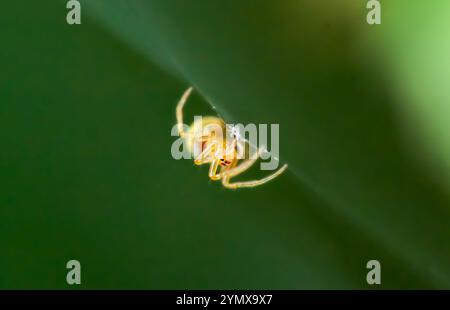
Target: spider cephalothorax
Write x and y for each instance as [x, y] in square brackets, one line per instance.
[210, 142]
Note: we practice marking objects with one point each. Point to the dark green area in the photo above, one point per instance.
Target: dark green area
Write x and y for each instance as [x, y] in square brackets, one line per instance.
[87, 174]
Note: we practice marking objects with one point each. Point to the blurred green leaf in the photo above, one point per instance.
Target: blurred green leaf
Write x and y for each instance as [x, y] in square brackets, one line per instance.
[87, 173]
[416, 49]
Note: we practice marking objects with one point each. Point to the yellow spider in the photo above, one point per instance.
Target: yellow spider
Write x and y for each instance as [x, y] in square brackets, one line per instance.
[206, 142]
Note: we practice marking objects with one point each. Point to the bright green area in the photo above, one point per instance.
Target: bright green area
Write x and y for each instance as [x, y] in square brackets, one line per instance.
[86, 171]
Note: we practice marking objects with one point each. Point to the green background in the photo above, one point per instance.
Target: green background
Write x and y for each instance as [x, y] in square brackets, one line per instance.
[86, 171]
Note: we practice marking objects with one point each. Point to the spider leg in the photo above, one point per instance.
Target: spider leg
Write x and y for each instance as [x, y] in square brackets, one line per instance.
[179, 111]
[213, 175]
[243, 166]
[228, 174]
[226, 180]
[204, 154]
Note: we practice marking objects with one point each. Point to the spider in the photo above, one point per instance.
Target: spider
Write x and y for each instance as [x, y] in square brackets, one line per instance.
[208, 144]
